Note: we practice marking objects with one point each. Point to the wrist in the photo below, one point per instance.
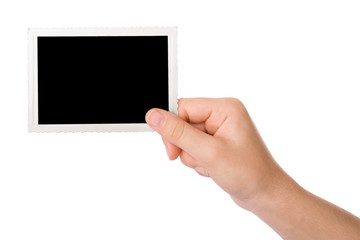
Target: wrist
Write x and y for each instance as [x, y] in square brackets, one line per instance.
[277, 191]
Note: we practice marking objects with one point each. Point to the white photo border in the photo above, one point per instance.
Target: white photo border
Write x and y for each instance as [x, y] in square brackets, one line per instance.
[33, 33]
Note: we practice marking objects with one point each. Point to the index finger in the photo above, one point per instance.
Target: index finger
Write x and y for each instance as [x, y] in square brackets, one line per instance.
[211, 111]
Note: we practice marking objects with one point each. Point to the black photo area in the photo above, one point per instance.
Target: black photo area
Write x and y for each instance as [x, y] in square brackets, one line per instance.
[101, 79]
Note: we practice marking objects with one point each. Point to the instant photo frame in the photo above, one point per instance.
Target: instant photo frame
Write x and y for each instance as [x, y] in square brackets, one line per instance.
[100, 79]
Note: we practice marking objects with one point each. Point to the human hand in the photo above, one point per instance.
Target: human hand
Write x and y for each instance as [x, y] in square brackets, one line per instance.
[218, 139]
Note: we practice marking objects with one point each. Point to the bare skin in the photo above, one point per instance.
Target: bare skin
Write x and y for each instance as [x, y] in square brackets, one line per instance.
[217, 138]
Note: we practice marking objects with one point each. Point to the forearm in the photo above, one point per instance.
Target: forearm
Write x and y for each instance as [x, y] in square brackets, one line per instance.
[296, 214]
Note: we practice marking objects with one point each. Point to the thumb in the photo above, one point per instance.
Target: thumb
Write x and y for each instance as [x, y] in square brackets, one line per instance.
[179, 132]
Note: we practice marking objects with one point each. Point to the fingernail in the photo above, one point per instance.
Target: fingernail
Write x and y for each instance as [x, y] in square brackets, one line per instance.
[201, 171]
[156, 119]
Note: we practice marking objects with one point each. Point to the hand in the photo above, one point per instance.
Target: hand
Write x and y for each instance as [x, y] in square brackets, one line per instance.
[218, 139]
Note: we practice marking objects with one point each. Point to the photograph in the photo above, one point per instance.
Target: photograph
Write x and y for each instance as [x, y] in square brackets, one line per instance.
[175, 120]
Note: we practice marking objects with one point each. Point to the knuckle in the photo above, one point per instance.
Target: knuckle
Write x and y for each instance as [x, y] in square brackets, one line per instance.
[177, 131]
[236, 104]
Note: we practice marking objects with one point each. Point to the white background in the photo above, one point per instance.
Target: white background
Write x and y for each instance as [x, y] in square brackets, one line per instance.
[295, 65]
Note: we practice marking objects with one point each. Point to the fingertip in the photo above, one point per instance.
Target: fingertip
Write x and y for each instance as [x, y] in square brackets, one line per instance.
[173, 155]
[148, 114]
[155, 117]
[172, 151]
